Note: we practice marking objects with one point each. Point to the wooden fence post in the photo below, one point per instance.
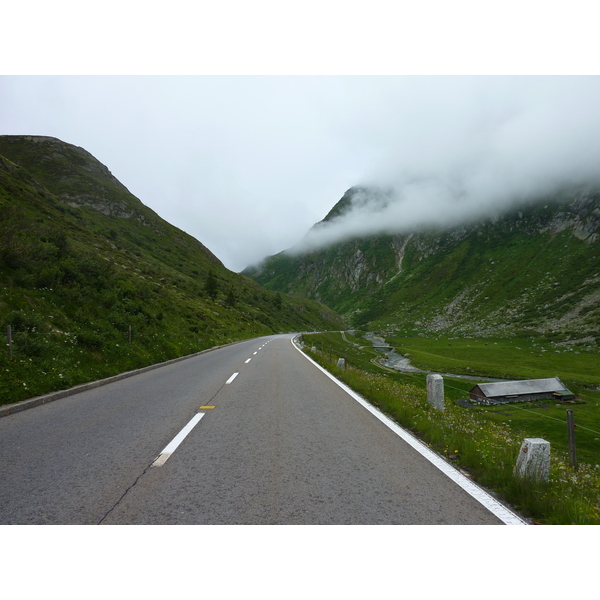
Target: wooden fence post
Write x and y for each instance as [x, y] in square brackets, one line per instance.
[9, 336]
[571, 434]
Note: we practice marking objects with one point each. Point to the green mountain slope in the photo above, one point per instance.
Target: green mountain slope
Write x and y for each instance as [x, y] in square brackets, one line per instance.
[83, 262]
[533, 269]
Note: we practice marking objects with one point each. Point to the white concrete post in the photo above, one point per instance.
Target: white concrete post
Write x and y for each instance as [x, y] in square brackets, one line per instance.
[341, 363]
[435, 391]
[534, 459]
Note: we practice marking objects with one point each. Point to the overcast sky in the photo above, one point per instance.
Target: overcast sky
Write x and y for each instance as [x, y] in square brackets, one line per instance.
[248, 163]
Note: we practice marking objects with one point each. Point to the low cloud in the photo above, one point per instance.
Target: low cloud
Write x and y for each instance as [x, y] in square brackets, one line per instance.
[456, 149]
[248, 164]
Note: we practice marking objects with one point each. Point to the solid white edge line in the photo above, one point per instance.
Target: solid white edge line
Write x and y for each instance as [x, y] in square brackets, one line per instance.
[162, 458]
[231, 378]
[495, 507]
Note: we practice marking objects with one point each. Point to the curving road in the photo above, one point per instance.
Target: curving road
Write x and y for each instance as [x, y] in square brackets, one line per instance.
[252, 433]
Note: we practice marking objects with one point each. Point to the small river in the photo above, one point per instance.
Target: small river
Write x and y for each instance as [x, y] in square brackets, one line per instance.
[401, 363]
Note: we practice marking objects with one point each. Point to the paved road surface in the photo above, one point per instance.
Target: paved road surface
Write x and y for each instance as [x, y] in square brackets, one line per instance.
[282, 444]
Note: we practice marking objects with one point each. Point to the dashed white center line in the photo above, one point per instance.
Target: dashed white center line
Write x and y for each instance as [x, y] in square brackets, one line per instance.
[247, 361]
[162, 458]
[231, 378]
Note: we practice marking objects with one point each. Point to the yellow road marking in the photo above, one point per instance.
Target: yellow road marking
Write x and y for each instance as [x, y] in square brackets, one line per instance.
[206, 407]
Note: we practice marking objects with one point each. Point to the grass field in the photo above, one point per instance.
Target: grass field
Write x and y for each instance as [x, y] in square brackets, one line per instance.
[525, 358]
[485, 441]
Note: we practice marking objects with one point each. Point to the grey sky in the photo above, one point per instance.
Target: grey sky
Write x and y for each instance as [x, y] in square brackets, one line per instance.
[247, 164]
[247, 161]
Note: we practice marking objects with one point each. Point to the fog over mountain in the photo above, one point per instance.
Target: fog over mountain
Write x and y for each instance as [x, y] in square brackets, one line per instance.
[247, 164]
[455, 149]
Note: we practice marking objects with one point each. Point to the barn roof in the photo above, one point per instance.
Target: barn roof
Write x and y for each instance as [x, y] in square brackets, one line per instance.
[528, 386]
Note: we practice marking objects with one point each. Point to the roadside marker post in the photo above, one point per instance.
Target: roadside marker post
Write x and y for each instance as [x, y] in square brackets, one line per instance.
[435, 391]
[533, 461]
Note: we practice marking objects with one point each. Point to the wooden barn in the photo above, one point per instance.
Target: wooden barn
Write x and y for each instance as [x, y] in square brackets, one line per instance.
[520, 391]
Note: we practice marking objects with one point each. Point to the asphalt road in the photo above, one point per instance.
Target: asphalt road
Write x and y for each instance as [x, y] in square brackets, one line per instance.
[279, 443]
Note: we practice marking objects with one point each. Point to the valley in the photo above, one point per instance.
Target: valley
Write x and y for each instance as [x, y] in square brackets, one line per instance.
[94, 283]
[533, 271]
[515, 295]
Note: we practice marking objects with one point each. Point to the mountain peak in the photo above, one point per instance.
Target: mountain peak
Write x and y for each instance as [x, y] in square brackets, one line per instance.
[535, 267]
[359, 197]
[73, 175]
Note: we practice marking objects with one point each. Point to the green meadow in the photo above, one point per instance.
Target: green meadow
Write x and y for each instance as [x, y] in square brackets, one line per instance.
[520, 358]
[484, 441]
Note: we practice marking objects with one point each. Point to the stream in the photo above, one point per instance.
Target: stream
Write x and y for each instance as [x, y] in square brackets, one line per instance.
[401, 363]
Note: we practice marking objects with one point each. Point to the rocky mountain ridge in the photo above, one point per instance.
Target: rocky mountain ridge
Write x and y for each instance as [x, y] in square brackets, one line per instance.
[76, 177]
[534, 269]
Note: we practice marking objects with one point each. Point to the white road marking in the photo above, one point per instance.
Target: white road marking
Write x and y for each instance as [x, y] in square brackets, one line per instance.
[247, 361]
[231, 378]
[255, 353]
[162, 458]
[495, 507]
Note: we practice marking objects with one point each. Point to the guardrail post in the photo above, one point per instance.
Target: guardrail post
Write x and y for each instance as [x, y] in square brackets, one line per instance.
[533, 461]
[435, 391]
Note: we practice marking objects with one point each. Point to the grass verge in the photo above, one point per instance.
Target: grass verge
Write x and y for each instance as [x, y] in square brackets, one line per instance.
[485, 448]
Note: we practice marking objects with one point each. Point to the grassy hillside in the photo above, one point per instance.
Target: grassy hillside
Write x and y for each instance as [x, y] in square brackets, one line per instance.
[83, 263]
[519, 275]
[342, 275]
[533, 270]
